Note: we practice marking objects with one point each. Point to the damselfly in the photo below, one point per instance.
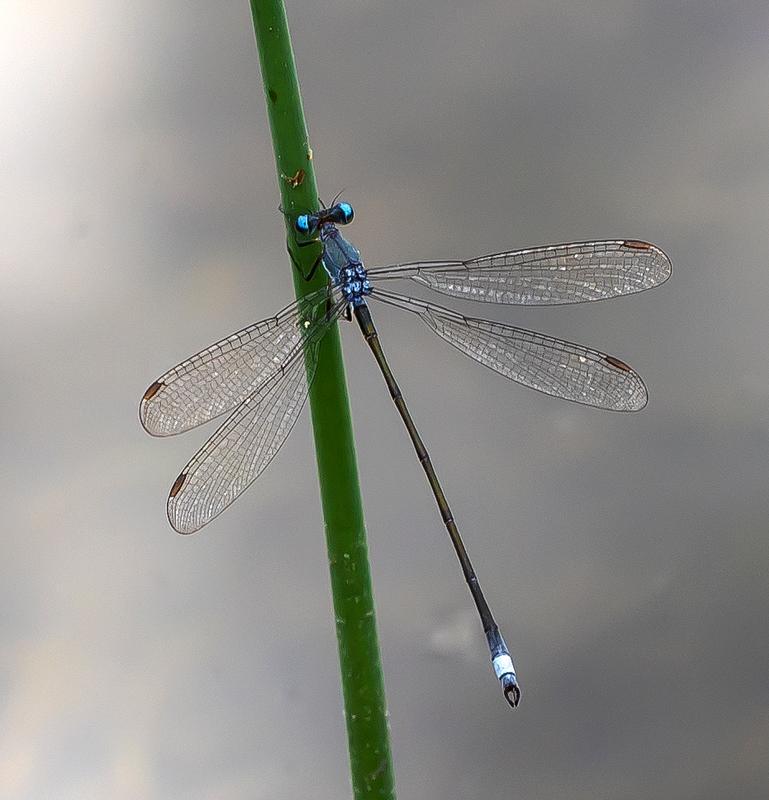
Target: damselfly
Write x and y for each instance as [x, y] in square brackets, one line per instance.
[261, 374]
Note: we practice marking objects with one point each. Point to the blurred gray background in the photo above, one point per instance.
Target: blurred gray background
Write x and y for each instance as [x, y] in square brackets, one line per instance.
[626, 556]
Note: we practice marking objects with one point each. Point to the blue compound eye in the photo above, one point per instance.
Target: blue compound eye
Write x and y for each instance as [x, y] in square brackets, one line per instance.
[305, 224]
[344, 214]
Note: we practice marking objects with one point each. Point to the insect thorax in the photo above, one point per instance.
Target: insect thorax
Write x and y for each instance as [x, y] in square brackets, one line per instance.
[342, 262]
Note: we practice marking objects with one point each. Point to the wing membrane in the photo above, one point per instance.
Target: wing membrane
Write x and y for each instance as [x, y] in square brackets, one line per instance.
[575, 272]
[218, 378]
[242, 447]
[553, 366]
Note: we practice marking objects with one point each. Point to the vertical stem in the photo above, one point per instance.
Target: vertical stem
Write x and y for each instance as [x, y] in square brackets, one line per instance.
[362, 683]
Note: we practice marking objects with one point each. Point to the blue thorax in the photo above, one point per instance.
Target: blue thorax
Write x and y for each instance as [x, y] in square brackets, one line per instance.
[342, 263]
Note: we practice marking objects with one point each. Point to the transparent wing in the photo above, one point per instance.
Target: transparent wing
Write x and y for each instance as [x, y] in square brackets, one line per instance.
[549, 365]
[216, 379]
[575, 272]
[237, 453]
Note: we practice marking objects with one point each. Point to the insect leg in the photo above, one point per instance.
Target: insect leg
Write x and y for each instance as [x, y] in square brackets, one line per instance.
[309, 276]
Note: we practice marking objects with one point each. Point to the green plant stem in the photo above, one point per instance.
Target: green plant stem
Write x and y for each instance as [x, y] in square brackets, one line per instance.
[362, 683]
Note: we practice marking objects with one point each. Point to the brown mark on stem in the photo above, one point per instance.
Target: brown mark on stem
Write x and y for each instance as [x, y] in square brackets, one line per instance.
[297, 179]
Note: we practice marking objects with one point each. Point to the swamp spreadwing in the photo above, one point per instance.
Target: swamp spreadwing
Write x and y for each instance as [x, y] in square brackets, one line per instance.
[261, 374]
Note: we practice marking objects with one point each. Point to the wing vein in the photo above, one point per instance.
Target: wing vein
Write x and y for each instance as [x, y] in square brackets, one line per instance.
[549, 365]
[574, 272]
